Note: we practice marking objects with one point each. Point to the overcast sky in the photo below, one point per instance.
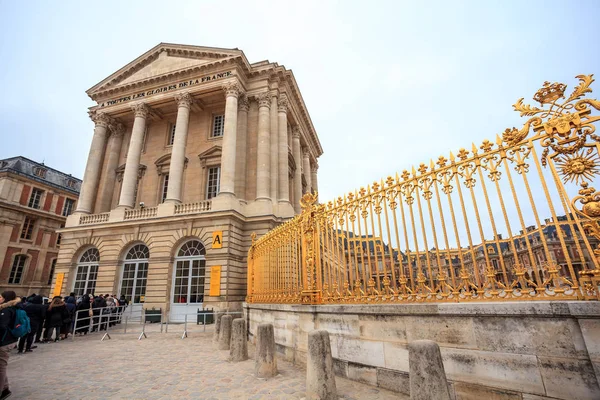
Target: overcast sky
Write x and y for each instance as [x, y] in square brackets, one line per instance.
[388, 85]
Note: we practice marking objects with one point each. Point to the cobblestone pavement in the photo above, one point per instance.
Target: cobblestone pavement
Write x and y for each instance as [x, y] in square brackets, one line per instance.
[163, 366]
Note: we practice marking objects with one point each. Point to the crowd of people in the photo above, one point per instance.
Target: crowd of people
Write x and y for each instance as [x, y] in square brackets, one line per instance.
[52, 321]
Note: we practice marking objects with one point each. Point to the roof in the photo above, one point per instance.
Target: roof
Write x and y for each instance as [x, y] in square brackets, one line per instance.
[42, 173]
[148, 71]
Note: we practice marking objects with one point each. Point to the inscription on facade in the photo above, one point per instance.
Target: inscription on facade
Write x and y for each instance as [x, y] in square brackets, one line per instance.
[168, 88]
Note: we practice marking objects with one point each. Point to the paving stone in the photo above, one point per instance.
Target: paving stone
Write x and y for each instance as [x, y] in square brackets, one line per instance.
[163, 366]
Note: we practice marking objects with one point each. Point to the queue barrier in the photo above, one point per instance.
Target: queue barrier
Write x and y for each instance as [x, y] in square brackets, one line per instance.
[106, 318]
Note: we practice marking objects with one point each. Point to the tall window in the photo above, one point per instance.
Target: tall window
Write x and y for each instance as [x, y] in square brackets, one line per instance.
[190, 268]
[213, 182]
[16, 272]
[87, 272]
[135, 274]
[34, 199]
[218, 124]
[27, 231]
[165, 188]
[171, 135]
[68, 207]
[52, 267]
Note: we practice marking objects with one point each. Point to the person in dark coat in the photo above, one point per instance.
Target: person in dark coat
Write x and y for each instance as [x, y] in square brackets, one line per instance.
[83, 315]
[97, 306]
[8, 309]
[68, 325]
[56, 316]
[36, 312]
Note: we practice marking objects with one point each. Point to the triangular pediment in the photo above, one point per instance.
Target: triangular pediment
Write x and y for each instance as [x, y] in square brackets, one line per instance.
[161, 60]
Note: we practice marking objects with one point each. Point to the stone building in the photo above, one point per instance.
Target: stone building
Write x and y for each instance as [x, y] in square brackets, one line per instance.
[194, 148]
[35, 201]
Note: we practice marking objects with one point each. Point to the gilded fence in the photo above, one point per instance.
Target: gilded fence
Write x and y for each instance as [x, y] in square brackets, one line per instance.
[513, 219]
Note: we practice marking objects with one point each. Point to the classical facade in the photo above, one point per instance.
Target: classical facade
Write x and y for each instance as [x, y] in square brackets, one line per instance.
[35, 201]
[193, 150]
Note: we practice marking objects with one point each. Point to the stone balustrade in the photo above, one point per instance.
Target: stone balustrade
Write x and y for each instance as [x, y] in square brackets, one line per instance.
[192, 208]
[93, 219]
[140, 213]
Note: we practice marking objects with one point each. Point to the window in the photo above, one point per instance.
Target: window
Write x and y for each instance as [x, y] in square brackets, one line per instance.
[218, 124]
[52, 267]
[59, 236]
[165, 188]
[87, 272]
[34, 199]
[171, 135]
[135, 274]
[68, 207]
[27, 231]
[189, 273]
[212, 186]
[40, 172]
[16, 272]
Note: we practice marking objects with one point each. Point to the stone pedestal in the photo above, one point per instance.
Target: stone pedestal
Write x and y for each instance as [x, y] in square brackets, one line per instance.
[218, 317]
[427, 375]
[266, 363]
[320, 378]
[225, 332]
[239, 343]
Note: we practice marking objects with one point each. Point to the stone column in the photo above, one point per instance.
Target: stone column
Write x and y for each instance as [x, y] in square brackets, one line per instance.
[274, 148]
[263, 152]
[184, 102]
[298, 172]
[242, 132]
[91, 177]
[109, 175]
[306, 169]
[130, 175]
[283, 169]
[232, 91]
[313, 177]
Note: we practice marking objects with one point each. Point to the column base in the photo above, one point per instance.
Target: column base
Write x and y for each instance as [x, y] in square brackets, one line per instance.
[118, 214]
[165, 209]
[224, 202]
[285, 209]
[172, 201]
[261, 206]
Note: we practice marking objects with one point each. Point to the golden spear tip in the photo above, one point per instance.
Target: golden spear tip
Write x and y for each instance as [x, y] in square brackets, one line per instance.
[474, 148]
[498, 140]
[451, 156]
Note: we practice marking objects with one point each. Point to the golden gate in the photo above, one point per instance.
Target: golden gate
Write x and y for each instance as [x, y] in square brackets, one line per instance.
[513, 219]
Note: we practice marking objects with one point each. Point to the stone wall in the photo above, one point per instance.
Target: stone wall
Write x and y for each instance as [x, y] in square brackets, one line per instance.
[509, 350]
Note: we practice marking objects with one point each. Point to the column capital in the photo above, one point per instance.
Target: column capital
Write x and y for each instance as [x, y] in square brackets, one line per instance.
[314, 167]
[243, 103]
[296, 132]
[101, 119]
[264, 99]
[305, 152]
[232, 89]
[140, 110]
[117, 129]
[184, 99]
[282, 105]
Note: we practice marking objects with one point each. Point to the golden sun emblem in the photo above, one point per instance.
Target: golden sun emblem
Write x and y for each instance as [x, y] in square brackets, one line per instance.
[578, 167]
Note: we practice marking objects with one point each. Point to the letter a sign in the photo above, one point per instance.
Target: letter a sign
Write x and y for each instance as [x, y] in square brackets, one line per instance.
[217, 242]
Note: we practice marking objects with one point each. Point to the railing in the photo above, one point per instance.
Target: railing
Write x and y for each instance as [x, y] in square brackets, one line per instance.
[464, 228]
[192, 208]
[93, 219]
[140, 213]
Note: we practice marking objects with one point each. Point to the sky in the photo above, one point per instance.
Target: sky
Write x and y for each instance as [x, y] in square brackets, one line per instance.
[388, 84]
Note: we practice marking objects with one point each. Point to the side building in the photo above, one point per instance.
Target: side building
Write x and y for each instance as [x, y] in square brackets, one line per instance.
[35, 201]
[194, 149]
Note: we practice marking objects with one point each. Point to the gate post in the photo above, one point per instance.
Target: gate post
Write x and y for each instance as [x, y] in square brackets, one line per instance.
[311, 284]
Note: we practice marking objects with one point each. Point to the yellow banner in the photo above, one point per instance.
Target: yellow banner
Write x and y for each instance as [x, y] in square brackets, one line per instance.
[217, 242]
[215, 280]
[58, 286]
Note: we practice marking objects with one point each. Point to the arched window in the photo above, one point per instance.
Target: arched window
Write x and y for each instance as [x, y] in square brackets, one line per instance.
[135, 274]
[16, 272]
[189, 273]
[87, 272]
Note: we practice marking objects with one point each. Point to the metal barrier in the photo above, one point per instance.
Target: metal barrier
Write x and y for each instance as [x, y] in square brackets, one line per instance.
[106, 317]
